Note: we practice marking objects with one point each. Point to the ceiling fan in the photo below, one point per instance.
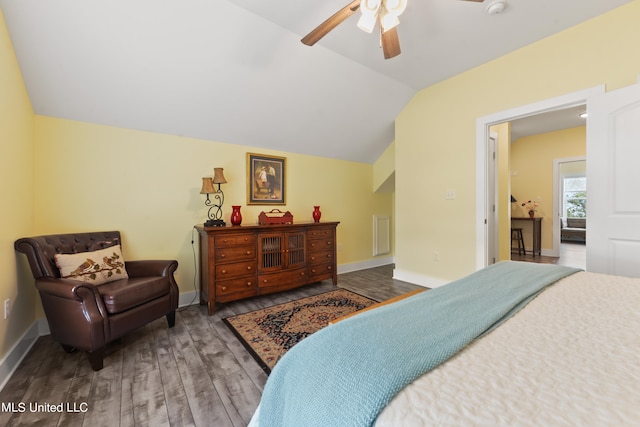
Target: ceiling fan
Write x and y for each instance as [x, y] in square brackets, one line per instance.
[383, 12]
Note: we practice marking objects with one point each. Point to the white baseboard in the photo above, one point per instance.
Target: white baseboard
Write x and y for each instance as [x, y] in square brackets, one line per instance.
[12, 359]
[363, 265]
[189, 298]
[418, 279]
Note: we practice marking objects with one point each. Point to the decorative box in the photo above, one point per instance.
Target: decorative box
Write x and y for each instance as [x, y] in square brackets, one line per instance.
[275, 216]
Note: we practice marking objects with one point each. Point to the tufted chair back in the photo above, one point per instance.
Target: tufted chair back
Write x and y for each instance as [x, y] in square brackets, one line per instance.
[40, 250]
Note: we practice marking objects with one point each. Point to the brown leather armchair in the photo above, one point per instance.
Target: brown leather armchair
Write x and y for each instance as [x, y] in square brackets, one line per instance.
[87, 317]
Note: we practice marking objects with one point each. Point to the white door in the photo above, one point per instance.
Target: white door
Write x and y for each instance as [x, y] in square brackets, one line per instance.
[492, 217]
[613, 182]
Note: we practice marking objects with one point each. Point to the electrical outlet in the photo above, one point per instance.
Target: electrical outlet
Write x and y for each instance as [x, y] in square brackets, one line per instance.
[339, 247]
[7, 308]
[450, 194]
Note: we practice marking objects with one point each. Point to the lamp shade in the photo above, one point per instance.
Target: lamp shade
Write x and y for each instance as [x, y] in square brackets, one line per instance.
[218, 176]
[207, 186]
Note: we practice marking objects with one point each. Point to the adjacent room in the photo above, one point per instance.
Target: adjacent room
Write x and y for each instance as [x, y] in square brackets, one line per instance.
[204, 200]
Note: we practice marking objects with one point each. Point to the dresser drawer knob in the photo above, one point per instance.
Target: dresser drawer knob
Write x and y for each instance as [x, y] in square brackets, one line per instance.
[302, 273]
[224, 271]
[313, 270]
[248, 283]
[248, 252]
[313, 258]
[249, 267]
[265, 281]
[224, 288]
[222, 256]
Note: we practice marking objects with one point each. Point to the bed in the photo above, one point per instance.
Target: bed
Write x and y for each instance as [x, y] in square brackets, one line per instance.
[569, 354]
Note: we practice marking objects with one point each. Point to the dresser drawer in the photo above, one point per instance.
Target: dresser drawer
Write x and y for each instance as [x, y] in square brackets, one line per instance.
[321, 271]
[321, 232]
[235, 253]
[284, 279]
[234, 239]
[320, 256]
[316, 245]
[236, 269]
[245, 286]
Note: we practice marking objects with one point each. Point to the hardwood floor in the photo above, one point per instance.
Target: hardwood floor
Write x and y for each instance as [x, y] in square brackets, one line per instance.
[571, 255]
[195, 374]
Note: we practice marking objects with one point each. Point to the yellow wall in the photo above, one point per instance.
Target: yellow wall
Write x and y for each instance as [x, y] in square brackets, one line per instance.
[532, 173]
[436, 140]
[16, 194]
[503, 198]
[147, 185]
[384, 170]
[65, 176]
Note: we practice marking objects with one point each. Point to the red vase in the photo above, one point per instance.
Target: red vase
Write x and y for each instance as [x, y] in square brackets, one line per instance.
[316, 214]
[236, 216]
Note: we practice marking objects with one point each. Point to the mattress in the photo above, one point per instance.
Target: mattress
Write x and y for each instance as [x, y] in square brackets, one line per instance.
[570, 357]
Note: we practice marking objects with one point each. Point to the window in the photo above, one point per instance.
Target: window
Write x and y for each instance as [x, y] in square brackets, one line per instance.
[574, 199]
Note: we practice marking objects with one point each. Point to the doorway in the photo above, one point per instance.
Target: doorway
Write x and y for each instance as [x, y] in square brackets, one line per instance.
[570, 184]
[487, 171]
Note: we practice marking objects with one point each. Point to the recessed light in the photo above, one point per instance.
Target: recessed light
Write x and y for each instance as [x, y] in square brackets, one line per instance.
[583, 115]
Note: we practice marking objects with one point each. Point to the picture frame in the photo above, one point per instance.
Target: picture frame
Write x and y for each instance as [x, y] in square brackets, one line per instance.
[266, 179]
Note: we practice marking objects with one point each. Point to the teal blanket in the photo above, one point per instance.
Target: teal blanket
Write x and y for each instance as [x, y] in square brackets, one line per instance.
[345, 374]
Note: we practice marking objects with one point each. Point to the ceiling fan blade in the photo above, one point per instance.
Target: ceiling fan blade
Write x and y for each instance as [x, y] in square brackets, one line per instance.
[390, 43]
[334, 20]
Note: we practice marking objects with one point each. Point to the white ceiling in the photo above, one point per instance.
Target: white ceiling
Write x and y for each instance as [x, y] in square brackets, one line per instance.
[548, 122]
[235, 71]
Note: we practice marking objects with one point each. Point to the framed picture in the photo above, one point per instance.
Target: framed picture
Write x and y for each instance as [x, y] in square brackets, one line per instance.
[266, 179]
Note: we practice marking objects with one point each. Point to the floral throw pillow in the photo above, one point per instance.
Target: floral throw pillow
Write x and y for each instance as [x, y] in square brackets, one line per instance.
[97, 267]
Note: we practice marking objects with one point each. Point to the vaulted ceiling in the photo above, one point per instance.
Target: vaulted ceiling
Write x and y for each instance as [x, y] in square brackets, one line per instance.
[235, 71]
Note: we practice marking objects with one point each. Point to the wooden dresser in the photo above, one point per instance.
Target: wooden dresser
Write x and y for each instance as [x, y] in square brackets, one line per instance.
[248, 260]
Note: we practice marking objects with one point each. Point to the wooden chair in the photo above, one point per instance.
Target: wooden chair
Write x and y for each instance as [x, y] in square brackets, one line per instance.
[516, 235]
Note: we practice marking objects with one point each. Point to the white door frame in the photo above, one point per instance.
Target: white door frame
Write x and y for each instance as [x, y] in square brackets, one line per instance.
[482, 162]
[492, 200]
[556, 199]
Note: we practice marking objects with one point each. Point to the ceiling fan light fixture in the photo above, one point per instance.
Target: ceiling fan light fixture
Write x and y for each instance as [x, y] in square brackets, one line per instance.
[388, 21]
[370, 7]
[367, 22]
[387, 11]
[395, 7]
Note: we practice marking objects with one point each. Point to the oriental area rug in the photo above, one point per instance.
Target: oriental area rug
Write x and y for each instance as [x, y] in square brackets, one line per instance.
[268, 333]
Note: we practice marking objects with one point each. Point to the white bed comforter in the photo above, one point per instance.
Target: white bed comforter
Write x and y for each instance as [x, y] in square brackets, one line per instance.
[570, 358]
